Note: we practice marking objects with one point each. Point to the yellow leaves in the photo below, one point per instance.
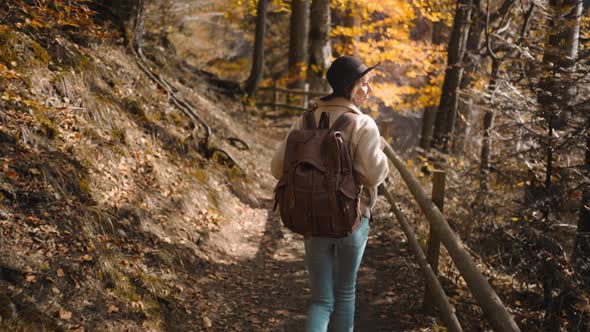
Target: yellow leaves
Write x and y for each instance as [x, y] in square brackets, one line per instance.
[11, 96]
[61, 13]
[585, 30]
[8, 73]
[438, 328]
[407, 97]
[435, 11]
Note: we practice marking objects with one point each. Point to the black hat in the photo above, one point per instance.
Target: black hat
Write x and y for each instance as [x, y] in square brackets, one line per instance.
[344, 72]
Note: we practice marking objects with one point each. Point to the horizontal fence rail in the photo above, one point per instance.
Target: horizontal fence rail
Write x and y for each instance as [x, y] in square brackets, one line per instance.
[302, 92]
[493, 308]
[278, 93]
[447, 312]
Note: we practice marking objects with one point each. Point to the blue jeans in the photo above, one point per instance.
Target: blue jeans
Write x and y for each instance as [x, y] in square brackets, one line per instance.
[332, 265]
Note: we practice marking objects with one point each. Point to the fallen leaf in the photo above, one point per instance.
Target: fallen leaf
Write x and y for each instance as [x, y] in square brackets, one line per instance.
[60, 273]
[86, 258]
[11, 174]
[137, 305]
[64, 314]
[112, 308]
[30, 278]
[34, 171]
[207, 323]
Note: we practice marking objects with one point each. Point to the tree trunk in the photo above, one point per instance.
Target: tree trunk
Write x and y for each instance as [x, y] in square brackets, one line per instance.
[298, 39]
[564, 33]
[258, 56]
[352, 20]
[581, 254]
[558, 92]
[472, 61]
[488, 119]
[430, 112]
[559, 59]
[138, 24]
[486, 149]
[320, 46]
[447, 110]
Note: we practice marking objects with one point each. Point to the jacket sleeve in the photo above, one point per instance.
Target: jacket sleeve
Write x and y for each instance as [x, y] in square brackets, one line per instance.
[276, 164]
[370, 162]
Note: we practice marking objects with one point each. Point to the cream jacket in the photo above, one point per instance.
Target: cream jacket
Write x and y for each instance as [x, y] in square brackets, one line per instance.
[369, 162]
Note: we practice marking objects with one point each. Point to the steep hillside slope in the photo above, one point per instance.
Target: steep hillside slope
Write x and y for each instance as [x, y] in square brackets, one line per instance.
[104, 201]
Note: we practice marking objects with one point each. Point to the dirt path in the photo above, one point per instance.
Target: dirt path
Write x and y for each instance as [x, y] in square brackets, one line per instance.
[259, 283]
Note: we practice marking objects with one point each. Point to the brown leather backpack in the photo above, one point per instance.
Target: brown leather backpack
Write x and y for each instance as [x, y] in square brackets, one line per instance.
[317, 194]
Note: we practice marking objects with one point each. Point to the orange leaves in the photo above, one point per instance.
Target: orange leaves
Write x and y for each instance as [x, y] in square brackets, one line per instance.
[8, 73]
[59, 14]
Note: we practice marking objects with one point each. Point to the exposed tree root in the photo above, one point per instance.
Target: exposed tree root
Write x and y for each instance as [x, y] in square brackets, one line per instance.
[202, 144]
[238, 143]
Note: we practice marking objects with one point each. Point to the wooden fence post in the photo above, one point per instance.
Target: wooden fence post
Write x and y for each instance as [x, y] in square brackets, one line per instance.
[433, 253]
[306, 96]
[275, 96]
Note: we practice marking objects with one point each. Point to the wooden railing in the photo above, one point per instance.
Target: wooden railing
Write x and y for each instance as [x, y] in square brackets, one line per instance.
[495, 312]
[281, 97]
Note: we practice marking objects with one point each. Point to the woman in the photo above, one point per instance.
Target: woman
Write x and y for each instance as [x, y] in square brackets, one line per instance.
[333, 263]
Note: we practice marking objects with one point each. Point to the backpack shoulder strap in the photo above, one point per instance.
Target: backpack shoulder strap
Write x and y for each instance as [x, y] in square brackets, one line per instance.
[308, 120]
[343, 121]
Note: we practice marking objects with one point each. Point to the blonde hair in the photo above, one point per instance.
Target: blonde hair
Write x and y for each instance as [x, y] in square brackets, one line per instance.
[351, 92]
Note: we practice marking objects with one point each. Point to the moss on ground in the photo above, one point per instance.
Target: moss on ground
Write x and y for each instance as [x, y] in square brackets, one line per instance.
[16, 47]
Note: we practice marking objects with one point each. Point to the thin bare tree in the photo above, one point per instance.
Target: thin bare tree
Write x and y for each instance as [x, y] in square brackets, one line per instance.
[298, 39]
[258, 55]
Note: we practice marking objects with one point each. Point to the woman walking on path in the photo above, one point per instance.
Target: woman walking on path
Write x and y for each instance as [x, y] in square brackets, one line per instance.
[333, 263]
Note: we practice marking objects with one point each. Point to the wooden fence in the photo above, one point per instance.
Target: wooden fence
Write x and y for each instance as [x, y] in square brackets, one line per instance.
[493, 309]
[281, 97]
